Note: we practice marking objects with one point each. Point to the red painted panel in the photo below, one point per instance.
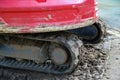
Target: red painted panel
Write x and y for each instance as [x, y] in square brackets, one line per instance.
[51, 12]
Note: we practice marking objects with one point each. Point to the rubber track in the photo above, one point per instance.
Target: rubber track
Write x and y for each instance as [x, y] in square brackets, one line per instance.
[29, 65]
[70, 41]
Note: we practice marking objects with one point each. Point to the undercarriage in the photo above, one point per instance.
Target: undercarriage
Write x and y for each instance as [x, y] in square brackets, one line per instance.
[52, 52]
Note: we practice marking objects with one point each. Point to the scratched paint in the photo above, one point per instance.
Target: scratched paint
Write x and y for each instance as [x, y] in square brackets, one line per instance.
[45, 28]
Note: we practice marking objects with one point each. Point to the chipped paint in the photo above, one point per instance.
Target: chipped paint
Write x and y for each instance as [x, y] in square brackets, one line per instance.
[43, 28]
[49, 16]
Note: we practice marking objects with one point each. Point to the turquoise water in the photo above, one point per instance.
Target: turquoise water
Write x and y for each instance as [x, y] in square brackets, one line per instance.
[110, 11]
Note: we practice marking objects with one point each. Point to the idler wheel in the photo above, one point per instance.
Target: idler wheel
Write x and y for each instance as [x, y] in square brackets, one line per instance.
[59, 56]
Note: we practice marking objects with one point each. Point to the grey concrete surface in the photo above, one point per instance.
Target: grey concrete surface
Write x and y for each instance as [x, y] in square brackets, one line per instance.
[113, 63]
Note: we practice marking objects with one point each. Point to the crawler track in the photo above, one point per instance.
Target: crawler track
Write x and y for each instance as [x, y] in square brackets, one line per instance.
[68, 41]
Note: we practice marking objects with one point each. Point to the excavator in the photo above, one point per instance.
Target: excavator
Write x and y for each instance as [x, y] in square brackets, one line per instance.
[47, 35]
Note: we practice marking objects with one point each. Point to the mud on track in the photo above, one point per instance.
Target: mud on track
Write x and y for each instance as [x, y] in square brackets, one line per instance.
[91, 67]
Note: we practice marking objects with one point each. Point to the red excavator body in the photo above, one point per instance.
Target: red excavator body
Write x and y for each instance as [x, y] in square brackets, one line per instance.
[26, 16]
